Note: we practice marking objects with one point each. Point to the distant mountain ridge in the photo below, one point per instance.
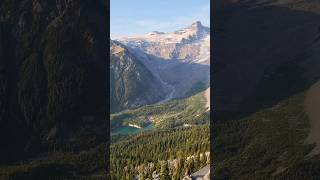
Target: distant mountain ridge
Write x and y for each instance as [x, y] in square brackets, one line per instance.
[177, 65]
[188, 44]
[180, 60]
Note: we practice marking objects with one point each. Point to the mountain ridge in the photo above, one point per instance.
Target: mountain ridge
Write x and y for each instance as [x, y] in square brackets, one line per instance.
[174, 65]
[183, 45]
[132, 84]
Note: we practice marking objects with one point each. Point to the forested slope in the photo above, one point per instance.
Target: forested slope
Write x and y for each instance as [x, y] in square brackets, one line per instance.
[53, 64]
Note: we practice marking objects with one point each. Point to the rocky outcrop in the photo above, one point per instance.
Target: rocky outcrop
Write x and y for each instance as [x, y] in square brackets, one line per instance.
[202, 174]
[183, 45]
[131, 83]
[180, 59]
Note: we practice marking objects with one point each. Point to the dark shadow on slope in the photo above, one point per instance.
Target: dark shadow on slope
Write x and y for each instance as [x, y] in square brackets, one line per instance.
[268, 53]
[52, 77]
[131, 83]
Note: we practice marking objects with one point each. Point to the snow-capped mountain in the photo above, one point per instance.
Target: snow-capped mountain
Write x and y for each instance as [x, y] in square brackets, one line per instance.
[191, 44]
[179, 60]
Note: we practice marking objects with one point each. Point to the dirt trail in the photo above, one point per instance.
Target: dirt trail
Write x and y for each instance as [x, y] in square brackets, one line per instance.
[312, 107]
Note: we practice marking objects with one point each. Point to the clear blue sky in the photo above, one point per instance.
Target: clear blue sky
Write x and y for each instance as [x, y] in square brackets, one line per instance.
[133, 17]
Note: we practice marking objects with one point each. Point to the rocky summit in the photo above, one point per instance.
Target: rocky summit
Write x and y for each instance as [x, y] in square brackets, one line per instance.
[176, 64]
[189, 44]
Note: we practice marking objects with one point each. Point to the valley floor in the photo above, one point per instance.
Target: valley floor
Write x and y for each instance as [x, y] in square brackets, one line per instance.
[177, 144]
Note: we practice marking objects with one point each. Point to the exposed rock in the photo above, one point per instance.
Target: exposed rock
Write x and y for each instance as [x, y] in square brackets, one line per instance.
[202, 174]
[187, 178]
[180, 60]
[131, 83]
[183, 45]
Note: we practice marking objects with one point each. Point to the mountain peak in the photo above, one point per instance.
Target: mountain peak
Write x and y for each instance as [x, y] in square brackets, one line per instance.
[198, 29]
[197, 24]
[195, 31]
[155, 33]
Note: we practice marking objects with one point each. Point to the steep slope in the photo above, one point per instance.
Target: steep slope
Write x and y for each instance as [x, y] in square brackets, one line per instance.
[263, 143]
[160, 138]
[131, 83]
[312, 101]
[181, 59]
[279, 142]
[266, 120]
[265, 51]
[186, 45]
[52, 77]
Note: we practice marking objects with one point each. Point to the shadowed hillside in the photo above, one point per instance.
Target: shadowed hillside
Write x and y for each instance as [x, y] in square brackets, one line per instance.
[131, 83]
[52, 77]
[268, 52]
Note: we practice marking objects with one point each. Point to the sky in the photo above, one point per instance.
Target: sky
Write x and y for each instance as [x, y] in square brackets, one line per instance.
[136, 17]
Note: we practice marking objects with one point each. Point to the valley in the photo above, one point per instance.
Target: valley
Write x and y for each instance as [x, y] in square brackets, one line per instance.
[158, 135]
[175, 113]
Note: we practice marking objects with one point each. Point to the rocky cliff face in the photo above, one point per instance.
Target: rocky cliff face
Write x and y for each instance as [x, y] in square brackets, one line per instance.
[52, 72]
[131, 83]
[185, 45]
[180, 59]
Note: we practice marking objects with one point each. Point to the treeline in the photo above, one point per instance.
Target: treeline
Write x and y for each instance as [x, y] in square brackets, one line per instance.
[156, 148]
[172, 114]
[175, 169]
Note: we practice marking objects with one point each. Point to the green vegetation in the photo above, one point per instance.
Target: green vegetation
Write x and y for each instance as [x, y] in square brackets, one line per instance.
[172, 114]
[156, 147]
[131, 83]
[269, 144]
[60, 165]
[52, 88]
[196, 88]
[180, 129]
